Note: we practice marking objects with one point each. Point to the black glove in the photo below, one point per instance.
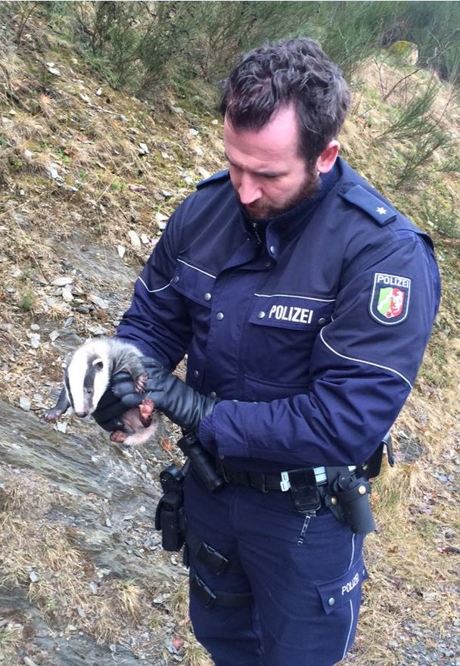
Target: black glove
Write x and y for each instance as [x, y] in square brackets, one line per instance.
[179, 402]
[109, 411]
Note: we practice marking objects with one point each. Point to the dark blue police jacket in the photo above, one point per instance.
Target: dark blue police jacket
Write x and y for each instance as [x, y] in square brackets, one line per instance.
[312, 338]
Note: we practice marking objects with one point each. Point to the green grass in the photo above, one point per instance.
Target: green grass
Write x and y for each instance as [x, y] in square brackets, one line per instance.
[27, 300]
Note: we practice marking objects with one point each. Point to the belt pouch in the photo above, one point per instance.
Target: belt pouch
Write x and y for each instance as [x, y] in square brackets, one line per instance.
[304, 491]
[169, 518]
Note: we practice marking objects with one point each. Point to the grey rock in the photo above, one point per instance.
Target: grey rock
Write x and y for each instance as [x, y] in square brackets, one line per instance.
[25, 403]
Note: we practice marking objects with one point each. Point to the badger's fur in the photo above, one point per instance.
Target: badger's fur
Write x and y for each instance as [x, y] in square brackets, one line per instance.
[90, 367]
[87, 375]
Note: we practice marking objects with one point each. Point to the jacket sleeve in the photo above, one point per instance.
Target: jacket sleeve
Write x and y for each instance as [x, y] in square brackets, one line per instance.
[157, 321]
[363, 366]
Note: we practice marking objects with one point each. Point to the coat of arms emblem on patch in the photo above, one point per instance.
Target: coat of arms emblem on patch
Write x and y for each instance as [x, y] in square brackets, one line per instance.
[390, 298]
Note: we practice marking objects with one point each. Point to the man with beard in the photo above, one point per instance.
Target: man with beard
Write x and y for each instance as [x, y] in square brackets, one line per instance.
[273, 278]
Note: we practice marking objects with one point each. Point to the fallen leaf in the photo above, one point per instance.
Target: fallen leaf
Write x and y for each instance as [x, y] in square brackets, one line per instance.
[450, 550]
[178, 643]
[137, 188]
[166, 444]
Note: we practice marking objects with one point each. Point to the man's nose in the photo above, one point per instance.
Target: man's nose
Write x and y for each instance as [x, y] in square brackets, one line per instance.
[248, 190]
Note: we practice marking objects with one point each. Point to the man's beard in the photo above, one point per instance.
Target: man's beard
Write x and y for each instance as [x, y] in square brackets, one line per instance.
[260, 210]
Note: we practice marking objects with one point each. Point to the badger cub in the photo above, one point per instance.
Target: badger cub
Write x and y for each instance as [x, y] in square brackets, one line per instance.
[87, 374]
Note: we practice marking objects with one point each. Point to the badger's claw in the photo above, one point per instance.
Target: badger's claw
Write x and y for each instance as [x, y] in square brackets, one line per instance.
[146, 412]
[140, 382]
[53, 414]
[118, 436]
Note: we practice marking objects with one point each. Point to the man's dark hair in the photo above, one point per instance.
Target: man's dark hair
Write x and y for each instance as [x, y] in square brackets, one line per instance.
[296, 72]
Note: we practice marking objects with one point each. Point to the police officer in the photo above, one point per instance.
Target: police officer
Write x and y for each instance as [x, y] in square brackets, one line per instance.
[304, 301]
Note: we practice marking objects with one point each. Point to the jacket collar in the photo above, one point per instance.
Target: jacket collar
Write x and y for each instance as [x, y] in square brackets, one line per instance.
[278, 230]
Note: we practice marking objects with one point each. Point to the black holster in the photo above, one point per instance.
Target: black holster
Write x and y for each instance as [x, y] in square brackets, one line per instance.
[347, 496]
[170, 515]
[201, 462]
[347, 492]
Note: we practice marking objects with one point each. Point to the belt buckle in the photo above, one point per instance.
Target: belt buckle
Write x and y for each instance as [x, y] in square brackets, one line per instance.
[285, 483]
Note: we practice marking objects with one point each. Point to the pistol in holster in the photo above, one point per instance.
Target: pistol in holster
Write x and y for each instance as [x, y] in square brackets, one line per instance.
[348, 499]
[348, 491]
[170, 514]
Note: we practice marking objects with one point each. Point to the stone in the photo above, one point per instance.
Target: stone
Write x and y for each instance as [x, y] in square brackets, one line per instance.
[52, 69]
[134, 239]
[34, 340]
[67, 293]
[25, 403]
[99, 302]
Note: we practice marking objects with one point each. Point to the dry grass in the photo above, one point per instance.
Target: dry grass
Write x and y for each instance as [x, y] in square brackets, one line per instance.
[413, 569]
[46, 557]
[35, 553]
[105, 189]
[11, 639]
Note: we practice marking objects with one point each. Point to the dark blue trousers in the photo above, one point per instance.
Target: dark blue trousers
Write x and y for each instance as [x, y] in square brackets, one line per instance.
[305, 575]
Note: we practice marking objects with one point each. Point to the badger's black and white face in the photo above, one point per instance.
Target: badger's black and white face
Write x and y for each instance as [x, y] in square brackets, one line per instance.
[87, 376]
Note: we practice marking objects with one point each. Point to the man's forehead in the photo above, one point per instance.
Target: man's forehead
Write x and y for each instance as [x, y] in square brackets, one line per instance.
[283, 123]
[277, 139]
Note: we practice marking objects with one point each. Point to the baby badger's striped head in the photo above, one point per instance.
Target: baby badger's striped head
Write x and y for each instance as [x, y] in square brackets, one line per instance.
[87, 376]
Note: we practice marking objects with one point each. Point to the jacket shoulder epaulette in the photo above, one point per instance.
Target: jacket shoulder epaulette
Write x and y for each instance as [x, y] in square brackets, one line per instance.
[377, 209]
[220, 176]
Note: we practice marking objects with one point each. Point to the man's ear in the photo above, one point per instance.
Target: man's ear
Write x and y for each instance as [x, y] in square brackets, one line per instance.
[327, 159]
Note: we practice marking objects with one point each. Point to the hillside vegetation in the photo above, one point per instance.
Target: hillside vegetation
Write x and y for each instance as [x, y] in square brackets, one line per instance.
[88, 176]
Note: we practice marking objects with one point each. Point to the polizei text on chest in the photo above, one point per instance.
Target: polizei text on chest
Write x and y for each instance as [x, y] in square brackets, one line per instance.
[291, 313]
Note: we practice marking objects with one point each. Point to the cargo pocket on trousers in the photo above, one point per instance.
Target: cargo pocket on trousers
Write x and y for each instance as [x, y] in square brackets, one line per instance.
[338, 592]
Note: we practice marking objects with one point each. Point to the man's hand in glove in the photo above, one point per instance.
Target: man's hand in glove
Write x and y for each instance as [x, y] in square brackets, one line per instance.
[179, 402]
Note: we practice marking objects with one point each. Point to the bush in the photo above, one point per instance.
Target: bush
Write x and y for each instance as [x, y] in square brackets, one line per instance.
[142, 45]
[418, 132]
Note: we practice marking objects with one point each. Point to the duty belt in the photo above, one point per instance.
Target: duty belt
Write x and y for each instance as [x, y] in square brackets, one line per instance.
[344, 490]
[268, 482]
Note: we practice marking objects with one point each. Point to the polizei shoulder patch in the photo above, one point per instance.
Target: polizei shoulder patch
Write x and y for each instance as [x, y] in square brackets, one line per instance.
[390, 298]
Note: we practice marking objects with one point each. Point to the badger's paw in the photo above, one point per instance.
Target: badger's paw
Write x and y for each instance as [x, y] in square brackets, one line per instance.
[146, 409]
[118, 436]
[140, 382]
[53, 414]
